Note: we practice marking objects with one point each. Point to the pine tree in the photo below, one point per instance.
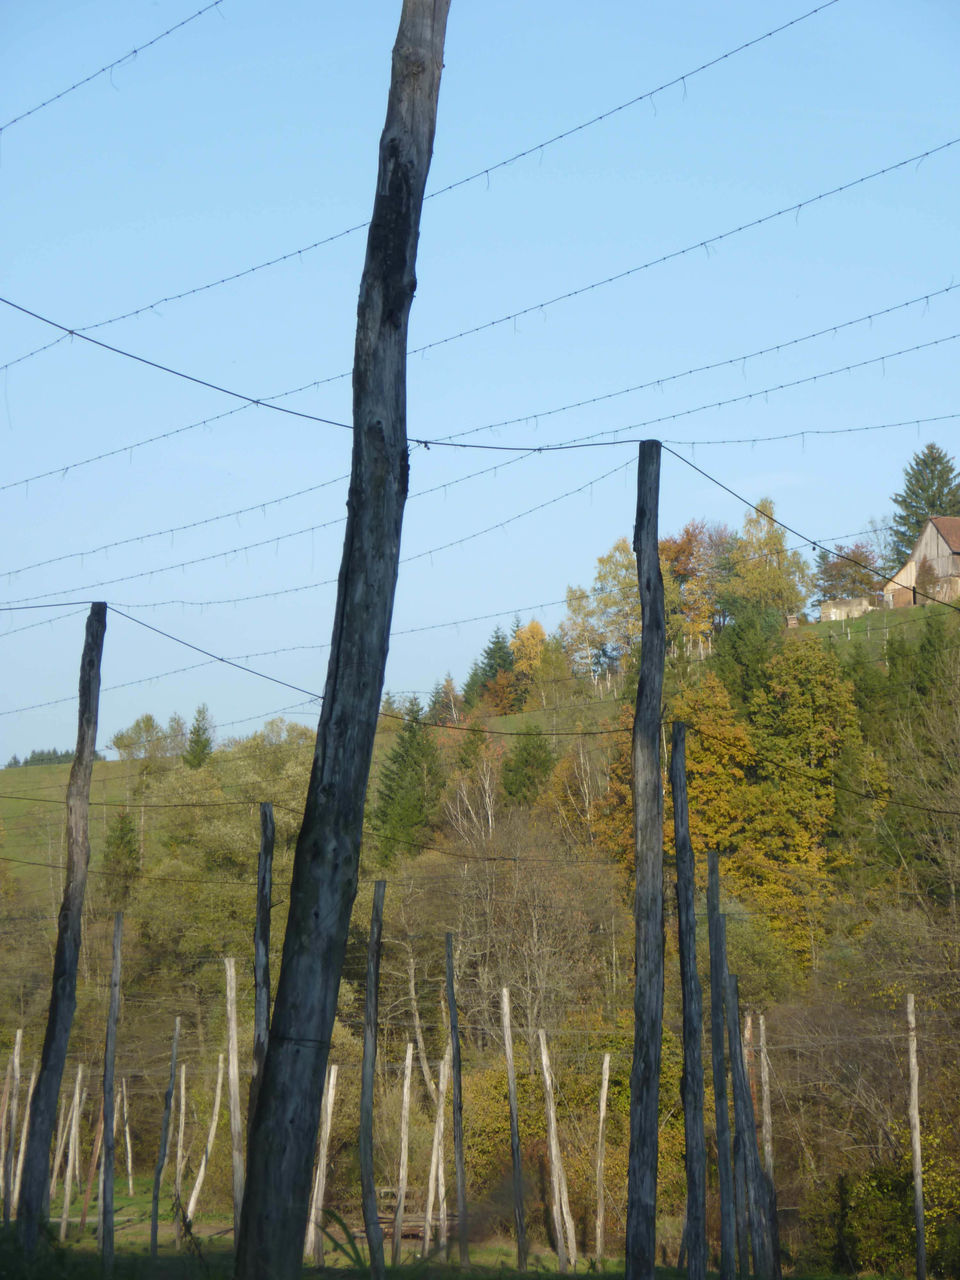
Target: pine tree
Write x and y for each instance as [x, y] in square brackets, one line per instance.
[408, 791]
[931, 487]
[200, 740]
[121, 858]
[527, 767]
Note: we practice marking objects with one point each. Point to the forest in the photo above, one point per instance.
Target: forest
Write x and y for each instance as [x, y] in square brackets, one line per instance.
[821, 764]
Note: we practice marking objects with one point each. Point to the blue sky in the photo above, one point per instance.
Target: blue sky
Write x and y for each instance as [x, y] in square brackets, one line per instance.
[252, 132]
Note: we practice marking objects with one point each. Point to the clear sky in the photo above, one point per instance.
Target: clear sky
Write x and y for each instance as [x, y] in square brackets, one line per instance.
[251, 133]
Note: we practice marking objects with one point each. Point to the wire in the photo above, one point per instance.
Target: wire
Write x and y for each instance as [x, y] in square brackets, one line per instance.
[176, 373]
[110, 66]
[484, 173]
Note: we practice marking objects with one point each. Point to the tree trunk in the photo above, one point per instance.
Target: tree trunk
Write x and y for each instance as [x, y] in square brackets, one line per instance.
[648, 896]
[562, 1219]
[283, 1132]
[519, 1217]
[418, 1028]
[63, 995]
[261, 952]
[109, 1058]
[721, 1111]
[461, 1174]
[691, 1087]
[371, 1215]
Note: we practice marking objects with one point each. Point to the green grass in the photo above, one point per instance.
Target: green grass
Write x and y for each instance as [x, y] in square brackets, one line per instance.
[872, 629]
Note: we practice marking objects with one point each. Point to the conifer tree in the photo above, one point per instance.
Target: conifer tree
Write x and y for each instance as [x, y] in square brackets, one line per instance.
[931, 487]
[408, 790]
[200, 740]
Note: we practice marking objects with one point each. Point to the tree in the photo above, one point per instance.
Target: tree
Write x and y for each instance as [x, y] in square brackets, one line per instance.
[931, 487]
[409, 787]
[200, 741]
[763, 571]
[121, 858]
[527, 767]
[847, 573]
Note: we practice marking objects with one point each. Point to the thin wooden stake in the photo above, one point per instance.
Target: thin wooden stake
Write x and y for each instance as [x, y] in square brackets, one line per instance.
[767, 1120]
[233, 1092]
[915, 1152]
[72, 1147]
[178, 1167]
[436, 1185]
[11, 1127]
[562, 1217]
[371, 1217]
[164, 1138]
[519, 1217]
[314, 1242]
[462, 1230]
[721, 1112]
[691, 1085]
[126, 1136]
[404, 1154]
[601, 1152]
[63, 995]
[109, 1059]
[92, 1170]
[63, 1136]
[641, 1234]
[261, 952]
[23, 1140]
[208, 1147]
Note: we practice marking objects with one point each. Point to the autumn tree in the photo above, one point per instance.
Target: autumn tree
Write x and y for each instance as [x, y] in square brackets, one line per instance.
[848, 572]
[931, 487]
[762, 570]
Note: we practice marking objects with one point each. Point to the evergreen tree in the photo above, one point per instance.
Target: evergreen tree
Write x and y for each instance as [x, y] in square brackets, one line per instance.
[931, 487]
[121, 858]
[408, 790]
[200, 739]
[527, 767]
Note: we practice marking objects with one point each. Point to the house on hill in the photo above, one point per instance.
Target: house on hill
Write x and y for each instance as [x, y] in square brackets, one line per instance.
[933, 567]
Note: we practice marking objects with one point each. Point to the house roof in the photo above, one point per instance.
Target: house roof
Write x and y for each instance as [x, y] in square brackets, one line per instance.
[949, 529]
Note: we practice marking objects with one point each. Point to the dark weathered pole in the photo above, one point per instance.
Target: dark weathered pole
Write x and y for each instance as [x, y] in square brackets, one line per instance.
[261, 952]
[921, 1250]
[109, 1058]
[63, 995]
[164, 1139]
[283, 1132]
[721, 1112]
[371, 1217]
[519, 1217]
[691, 1085]
[648, 895]
[457, 1111]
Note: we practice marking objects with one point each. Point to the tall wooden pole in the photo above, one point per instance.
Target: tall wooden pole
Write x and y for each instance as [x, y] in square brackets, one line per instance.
[283, 1132]
[648, 895]
[519, 1217]
[164, 1139]
[109, 1060]
[718, 966]
[562, 1218]
[233, 1092]
[371, 1216]
[766, 1122]
[691, 1085]
[63, 995]
[313, 1247]
[462, 1232]
[915, 1138]
[437, 1183]
[601, 1153]
[261, 951]
[208, 1147]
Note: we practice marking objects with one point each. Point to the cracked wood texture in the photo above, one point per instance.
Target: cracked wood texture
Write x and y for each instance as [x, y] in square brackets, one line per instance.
[63, 995]
[648, 894]
[283, 1129]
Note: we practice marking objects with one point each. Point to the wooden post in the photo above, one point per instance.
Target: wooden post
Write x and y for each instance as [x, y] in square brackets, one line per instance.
[233, 1091]
[23, 1139]
[766, 1263]
[92, 1170]
[178, 1166]
[404, 1153]
[73, 1124]
[63, 994]
[261, 952]
[314, 1242]
[63, 1134]
[718, 963]
[109, 1060]
[915, 1153]
[283, 1132]
[767, 1120]
[562, 1217]
[4, 1104]
[164, 1138]
[418, 1027]
[436, 1183]
[126, 1136]
[648, 896]
[462, 1234]
[519, 1217]
[368, 1186]
[208, 1147]
[601, 1151]
[691, 1085]
[11, 1129]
